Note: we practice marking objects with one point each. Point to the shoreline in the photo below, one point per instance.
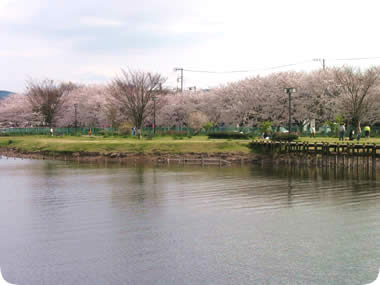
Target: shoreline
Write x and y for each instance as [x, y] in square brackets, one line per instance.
[189, 159]
[221, 158]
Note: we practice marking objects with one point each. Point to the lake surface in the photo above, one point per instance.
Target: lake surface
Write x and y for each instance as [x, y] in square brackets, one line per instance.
[86, 224]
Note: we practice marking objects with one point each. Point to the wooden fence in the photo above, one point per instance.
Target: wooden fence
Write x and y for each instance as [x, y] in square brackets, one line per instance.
[321, 154]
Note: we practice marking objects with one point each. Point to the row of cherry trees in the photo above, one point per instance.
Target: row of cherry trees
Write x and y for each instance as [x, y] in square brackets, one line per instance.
[321, 95]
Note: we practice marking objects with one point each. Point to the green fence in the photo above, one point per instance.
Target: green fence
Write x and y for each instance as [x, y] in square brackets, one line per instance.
[253, 131]
[56, 131]
[115, 131]
[190, 131]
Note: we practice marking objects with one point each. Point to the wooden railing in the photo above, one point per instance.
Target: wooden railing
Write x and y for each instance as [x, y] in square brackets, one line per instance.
[324, 154]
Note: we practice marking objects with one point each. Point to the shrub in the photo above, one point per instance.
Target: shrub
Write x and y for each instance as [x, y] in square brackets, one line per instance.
[178, 137]
[177, 133]
[125, 129]
[208, 126]
[174, 133]
[265, 126]
[284, 137]
[148, 136]
[228, 135]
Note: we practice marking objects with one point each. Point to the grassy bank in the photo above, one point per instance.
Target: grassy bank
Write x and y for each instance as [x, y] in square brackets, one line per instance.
[69, 144]
[169, 145]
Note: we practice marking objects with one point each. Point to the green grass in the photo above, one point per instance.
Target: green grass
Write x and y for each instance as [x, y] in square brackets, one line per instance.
[69, 144]
[196, 144]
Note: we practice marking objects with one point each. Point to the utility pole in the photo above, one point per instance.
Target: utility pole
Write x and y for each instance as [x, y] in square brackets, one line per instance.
[321, 60]
[154, 115]
[181, 77]
[154, 98]
[289, 91]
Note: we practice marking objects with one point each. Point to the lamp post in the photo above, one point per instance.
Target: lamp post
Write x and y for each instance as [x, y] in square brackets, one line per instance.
[154, 98]
[289, 91]
[76, 122]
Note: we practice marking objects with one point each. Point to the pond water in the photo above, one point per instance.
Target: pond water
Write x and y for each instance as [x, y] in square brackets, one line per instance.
[87, 224]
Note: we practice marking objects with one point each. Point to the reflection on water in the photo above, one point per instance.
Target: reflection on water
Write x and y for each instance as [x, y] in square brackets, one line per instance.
[86, 224]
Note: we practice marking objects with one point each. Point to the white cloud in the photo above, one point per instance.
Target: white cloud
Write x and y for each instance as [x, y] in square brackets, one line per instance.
[18, 10]
[94, 39]
[100, 22]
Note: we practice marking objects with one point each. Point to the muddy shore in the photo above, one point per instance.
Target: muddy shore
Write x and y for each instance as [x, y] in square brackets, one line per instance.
[221, 158]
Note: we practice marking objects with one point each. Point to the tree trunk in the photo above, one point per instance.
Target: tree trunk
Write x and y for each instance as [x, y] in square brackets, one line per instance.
[139, 133]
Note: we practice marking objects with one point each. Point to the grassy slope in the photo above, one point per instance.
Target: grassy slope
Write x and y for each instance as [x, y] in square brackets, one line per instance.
[199, 144]
[104, 145]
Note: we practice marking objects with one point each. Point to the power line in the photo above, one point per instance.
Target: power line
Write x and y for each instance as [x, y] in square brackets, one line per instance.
[247, 70]
[278, 66]
[358, 58]
[322, 60]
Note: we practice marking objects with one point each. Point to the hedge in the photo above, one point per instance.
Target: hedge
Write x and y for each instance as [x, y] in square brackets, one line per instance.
[284, 137]
[228, 135]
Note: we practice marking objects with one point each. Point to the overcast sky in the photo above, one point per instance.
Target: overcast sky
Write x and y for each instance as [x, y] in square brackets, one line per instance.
[89, 41]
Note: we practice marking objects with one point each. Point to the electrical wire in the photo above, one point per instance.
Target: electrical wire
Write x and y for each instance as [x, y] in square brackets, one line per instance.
[248, 70]
[358, 58]
[274, 67]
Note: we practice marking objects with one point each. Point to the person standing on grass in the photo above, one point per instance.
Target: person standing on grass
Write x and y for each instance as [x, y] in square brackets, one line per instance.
[367, 131]
[352, 134]
[312, 132]
[342, 131]
[358, 133]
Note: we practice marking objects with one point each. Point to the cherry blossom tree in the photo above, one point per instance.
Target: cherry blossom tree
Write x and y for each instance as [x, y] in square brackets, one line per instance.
[358, 91]
[323, 91]
[47, 97]
[321, 96]
[132, 94]
[196, 120]
[91, 105]
[176, 107]
[15, 111]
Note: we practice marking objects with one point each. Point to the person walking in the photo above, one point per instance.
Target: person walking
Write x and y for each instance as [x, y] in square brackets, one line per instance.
[359, 133]
[352, 134]
[312, 131]
[342, 130]
[367, 131]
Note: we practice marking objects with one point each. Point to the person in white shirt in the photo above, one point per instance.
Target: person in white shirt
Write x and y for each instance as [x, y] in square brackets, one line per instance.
[342, 130]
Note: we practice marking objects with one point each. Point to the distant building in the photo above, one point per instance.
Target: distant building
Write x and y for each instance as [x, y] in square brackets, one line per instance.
[4, 94]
